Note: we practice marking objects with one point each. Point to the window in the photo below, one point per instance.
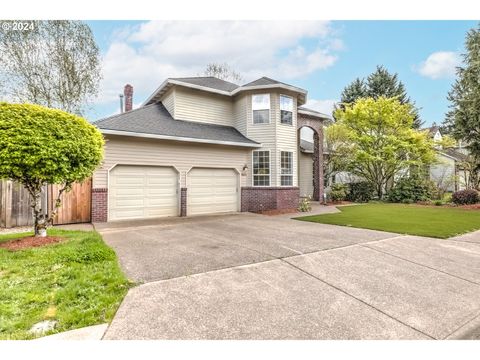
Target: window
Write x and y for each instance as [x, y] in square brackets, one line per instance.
[261, 108]
[286, 168]
[286, 110]
[261, 168]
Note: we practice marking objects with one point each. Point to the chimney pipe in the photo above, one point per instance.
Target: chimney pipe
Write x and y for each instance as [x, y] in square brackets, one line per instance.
[128, 92]
[121, 103]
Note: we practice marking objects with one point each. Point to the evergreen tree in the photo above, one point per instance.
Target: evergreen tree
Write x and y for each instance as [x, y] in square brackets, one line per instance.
[378, 84]
[463, 119]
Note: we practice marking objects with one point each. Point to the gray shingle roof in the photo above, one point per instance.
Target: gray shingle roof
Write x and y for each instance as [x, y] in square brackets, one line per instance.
[455, 154]
[315, 112]
[306, 146]
[263, 81]
[210, 82]
[155, 119]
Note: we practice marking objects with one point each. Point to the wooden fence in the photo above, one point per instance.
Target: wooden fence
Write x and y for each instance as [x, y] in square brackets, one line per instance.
[15, 207]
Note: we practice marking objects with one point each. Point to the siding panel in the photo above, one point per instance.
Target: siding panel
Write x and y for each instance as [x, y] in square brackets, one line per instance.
[195, 105]
[137, 151]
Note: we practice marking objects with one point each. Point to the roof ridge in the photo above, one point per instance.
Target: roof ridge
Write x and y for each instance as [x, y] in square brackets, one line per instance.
[125, 112]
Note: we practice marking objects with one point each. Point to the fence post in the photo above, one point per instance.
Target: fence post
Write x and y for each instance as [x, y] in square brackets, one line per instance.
[8, 204]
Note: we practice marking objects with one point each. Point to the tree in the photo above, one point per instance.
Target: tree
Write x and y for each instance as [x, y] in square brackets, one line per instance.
[40, 146]
[381, 142]
[463, 118]
[222, 71]
[378, 84]
[53, 63]
[335, 150]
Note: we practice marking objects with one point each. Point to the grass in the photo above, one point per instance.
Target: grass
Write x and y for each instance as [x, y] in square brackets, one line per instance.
[76, 282]
[439, 222]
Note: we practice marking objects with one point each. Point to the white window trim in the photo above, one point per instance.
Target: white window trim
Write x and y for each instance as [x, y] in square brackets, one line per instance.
[269, 109]
[280, 168]
[280, 109]
[269, 170]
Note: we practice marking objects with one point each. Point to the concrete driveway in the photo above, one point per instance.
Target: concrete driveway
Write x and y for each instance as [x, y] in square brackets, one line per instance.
[247, 276]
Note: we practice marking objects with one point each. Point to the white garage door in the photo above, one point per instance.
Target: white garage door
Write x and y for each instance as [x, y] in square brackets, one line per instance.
[212, 191]
[142, 192]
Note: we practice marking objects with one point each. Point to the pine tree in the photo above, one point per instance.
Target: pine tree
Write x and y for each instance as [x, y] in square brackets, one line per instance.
[463, 119]
[380, 83]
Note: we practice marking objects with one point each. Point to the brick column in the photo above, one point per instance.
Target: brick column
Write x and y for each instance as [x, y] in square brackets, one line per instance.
[316, 124]
[183, 202]
[99, 205]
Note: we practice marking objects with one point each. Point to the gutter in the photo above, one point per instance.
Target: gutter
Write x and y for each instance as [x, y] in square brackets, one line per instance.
[179, 138]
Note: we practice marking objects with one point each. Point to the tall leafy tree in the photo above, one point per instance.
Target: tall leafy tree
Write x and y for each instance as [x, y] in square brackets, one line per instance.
[378, 84]
[52, 63]
[381, 142]
[463, 118]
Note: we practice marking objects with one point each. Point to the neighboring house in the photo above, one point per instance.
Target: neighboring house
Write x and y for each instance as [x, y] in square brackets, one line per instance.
[448, 172]
[202, 145]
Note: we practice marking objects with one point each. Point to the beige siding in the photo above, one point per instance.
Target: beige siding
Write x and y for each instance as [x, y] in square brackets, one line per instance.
[443, 173]
[168, 100]
[183, 156]
[264, 134]
[240, 113]
[195, 105]
[274, 137]
[305, 176]
[287, 137]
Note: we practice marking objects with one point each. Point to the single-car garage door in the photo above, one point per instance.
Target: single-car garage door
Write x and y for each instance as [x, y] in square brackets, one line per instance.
[212, 191]
[142, 192]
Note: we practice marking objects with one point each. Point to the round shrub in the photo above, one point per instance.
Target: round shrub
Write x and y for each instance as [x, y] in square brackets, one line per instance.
[465, 197]
[411, 189]
[338, 192]
[362, 191]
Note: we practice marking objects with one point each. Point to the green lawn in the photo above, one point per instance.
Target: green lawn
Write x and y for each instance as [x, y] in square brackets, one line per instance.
[77, 282]
[440, 222]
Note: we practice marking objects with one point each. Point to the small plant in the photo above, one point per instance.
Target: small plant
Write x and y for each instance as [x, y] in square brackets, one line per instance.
[338, 192]
[305, 204]
[438, 203]
[465, 197]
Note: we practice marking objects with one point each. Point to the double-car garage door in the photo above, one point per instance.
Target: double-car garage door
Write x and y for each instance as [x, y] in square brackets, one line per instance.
[142, 192]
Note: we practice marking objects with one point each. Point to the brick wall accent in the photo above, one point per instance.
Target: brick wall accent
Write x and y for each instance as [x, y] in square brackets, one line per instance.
[316, 124]
[183, 202]
[255, 199]
[99, 205]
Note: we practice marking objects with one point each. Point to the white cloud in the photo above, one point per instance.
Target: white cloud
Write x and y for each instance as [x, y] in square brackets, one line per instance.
[148, 54]
[440, 64]
[324, 106]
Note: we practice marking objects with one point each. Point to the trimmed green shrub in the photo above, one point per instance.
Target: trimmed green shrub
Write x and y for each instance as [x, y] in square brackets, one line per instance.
[465, 197]
[338, 192]
[411, 189]
[362, 191]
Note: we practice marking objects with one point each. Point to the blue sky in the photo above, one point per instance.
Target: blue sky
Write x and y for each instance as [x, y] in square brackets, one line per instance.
[321, 57]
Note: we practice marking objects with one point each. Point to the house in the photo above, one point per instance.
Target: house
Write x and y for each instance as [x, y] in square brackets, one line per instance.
[202, 145]
[448, 173]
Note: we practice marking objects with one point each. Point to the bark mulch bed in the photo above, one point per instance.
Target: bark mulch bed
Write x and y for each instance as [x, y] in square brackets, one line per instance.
[30, 242]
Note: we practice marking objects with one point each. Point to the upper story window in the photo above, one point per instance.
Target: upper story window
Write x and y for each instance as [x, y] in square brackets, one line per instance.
[286, 109]
[261, 168]
[286, 168]
[261, 108]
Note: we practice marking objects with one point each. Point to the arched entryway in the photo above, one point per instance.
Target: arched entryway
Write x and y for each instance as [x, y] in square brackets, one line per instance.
[315, 124]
